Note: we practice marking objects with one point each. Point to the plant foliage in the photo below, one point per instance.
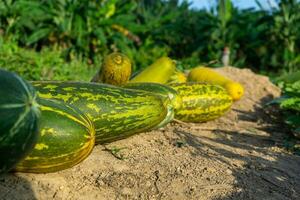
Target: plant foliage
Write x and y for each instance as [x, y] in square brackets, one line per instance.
[44, 65]
[267, 41]
[289, 102]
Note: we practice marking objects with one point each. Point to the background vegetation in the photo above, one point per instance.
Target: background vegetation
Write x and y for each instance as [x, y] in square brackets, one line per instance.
[289, 104]
[268, 41]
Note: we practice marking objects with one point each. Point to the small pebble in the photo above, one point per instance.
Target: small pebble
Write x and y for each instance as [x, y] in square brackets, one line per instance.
[228, 171]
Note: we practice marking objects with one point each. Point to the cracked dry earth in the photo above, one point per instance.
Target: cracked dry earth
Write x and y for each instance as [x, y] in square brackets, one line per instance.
[239, 156]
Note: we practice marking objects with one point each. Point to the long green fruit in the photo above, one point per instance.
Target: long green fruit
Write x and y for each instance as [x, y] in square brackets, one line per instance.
[168, 94]
[201, 102]
[159, 89]
[116, 112]
[67, 136]
[19, 119]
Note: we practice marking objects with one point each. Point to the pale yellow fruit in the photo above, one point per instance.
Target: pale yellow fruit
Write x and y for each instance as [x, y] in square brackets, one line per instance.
[177, 77]
[235, 90]
[115, 70]
[208, 75]
[158, 72]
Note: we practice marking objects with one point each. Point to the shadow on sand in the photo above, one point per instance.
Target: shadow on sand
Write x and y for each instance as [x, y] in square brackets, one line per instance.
[14, 187]
[259, 178]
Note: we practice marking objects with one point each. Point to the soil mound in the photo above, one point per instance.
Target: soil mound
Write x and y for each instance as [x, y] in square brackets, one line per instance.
[238, 156]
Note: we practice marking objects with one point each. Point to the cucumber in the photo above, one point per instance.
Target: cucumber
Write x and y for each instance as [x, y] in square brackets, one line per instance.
[115, 70]
[67, 136]
[177, 77]
[159, 89]
[19, 119]
[201, 102]
[208, 75]
[172, 99]
[158, 72]
[116, 112]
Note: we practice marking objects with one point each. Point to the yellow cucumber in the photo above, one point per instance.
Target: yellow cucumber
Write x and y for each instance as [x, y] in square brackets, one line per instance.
[208, 75]
[115, 70]
[177, 77]
[158, 72]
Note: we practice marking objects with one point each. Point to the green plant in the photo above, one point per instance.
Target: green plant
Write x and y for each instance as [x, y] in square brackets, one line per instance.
[81, 28]
[264, 40]
[116, 152]
[290, 104]
[44, 65]
[286, 31]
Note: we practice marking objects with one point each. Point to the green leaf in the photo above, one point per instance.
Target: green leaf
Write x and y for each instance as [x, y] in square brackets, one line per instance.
[37, 35]
[291, 104]
[101, 35]
[224, 12]
[293, 120]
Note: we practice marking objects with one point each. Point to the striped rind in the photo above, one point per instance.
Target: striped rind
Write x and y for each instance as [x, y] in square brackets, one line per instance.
[67, 137]
[171, 98]
[19, 119]
[210, 76]
[116, 112]
[201, 102]
[169, 117]
[165, 91]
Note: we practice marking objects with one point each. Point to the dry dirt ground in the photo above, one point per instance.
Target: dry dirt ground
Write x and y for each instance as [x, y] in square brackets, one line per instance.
[239, 156]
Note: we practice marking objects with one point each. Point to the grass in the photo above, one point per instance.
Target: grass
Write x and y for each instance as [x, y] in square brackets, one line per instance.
[116, 152]
[44, 65]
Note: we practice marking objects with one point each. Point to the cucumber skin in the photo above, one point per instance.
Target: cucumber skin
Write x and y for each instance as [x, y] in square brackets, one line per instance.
[201, 102]
[19, 119]
[172, 99]
[67, 137]
[116, 112]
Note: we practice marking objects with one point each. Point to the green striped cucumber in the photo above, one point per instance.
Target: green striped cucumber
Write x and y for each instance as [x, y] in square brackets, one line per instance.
[67, 136]
[116, 112]
[168, 118]
[201, 102]
[159, 89]
[171, 97]
[19, 119]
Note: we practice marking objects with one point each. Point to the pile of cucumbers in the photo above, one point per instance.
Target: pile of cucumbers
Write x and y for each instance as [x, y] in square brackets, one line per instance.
[47, 126]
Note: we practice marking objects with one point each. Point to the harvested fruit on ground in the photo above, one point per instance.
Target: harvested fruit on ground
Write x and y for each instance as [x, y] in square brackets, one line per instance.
[201, 102]
[208, 75]
[158, 72]
[19, 119]
[115, 70]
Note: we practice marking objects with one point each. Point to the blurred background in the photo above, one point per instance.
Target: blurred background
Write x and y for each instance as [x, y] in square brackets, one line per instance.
[67, 39]
[243, 4]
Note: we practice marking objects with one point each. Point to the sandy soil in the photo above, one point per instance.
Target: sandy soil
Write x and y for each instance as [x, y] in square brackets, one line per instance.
[239, 156]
